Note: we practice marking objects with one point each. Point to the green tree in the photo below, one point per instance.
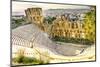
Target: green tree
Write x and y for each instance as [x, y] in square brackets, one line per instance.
[50, 19]
[89, 24]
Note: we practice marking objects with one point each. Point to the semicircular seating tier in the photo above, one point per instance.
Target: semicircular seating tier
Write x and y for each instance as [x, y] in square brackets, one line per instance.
[35, 42]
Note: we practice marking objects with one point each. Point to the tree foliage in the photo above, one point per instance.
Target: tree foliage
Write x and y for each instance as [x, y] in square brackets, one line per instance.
[49, 19]
[89, 24]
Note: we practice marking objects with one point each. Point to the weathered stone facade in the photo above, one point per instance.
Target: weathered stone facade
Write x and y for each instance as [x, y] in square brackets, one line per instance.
[34, 15]
[63, 28]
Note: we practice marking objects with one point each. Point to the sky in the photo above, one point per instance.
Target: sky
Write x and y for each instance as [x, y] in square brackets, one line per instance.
[19, 7]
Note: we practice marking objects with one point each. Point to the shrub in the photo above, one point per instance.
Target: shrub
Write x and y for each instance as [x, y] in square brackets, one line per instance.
[20, 59]
[73, 40]
[43, 58]
[27, 60]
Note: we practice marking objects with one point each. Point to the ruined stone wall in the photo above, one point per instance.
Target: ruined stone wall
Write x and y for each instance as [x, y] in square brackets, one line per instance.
[34, 15]
[63, 28]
